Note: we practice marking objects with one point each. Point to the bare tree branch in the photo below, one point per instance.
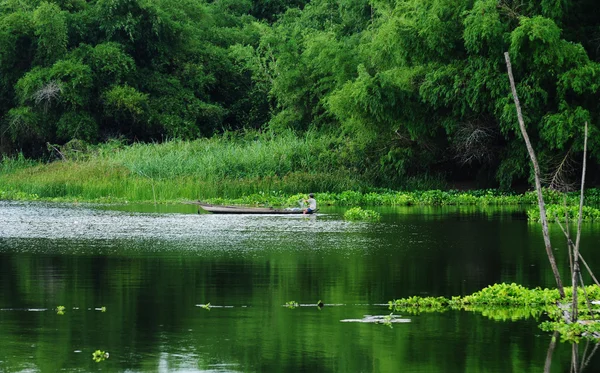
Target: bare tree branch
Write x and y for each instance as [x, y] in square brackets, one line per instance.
[538, 185]
[47, 94]
[473, 142]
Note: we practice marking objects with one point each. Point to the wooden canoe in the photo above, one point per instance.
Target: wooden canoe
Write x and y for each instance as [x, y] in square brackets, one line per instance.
[218, 209]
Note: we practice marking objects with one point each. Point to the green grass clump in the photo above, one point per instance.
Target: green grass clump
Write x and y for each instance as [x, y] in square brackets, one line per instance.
[357, 213]
[9, 165]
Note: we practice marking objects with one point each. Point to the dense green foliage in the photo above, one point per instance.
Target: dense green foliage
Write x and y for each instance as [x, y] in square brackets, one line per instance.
[412, 88]
[421, 86]
[138, 69]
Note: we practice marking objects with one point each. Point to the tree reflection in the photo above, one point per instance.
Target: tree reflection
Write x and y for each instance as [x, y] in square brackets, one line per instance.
[578, 364]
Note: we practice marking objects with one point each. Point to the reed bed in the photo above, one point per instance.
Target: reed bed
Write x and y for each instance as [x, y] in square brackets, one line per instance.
[227, 167]
[252, 168]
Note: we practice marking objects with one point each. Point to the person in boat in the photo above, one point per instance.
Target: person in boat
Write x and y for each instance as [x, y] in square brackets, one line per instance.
[312, 204]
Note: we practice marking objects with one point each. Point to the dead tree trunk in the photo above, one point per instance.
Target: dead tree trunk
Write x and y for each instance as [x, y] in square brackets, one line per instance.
[538, 183]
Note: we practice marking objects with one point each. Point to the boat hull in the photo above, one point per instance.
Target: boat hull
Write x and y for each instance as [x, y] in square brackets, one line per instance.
[216, 209]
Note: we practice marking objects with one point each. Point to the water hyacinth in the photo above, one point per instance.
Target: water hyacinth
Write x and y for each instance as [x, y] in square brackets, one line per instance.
[559, 212]
[357, 213]
[502, 302]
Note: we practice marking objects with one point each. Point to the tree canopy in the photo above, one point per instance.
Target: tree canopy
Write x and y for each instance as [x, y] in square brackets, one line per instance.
[414, 87]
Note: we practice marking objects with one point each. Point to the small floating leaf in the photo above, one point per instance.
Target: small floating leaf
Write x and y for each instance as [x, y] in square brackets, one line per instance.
[99, 356]
[60, 310]
[291, 304]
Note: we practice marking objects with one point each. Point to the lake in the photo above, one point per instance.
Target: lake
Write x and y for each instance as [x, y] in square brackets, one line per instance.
[165, 289]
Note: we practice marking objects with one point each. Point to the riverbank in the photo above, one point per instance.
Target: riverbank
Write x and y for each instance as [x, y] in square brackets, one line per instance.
[250, 169]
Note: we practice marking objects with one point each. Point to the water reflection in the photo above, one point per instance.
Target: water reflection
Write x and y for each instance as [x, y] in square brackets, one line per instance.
[151, 271]
[578, 363]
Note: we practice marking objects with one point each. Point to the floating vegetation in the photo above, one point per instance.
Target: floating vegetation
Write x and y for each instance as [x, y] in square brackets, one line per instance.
[357, 213]
[559, 212]
[503, 302]
[101, 309]
[291, 304]
[60, 310]
[99, 356]
[205, 306]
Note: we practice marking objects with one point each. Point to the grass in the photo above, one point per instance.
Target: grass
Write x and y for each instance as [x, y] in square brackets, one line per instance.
[228, 167]
[249, 168]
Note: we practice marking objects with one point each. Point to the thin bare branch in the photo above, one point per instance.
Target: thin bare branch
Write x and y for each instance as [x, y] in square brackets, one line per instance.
[538, 186]
[576, 271]
[587, 299]
[570, 243]
[472, 142]
[560, 178]
[548, 362]
[589, 270]
[47, 94]
[581, 196]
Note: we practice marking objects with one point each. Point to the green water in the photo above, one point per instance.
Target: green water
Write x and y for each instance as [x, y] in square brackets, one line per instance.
[153, 269]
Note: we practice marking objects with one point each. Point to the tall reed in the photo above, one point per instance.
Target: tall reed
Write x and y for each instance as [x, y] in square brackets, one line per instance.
[227, 166]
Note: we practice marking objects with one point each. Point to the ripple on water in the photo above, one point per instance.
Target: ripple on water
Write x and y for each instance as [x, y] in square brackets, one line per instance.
[190, 232]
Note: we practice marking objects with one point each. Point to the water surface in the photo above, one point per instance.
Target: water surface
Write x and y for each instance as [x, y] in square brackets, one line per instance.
[133, 281]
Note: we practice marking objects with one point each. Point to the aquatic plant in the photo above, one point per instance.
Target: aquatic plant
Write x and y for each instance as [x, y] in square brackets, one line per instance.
[357, 213]
[206, 306]
[387, 320]
[574, 332]
[556, 211]
[504, 301]
[60, 310]
[291, 304]
[99, 355]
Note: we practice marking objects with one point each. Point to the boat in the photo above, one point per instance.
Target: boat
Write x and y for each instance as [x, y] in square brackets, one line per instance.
[219, 209]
